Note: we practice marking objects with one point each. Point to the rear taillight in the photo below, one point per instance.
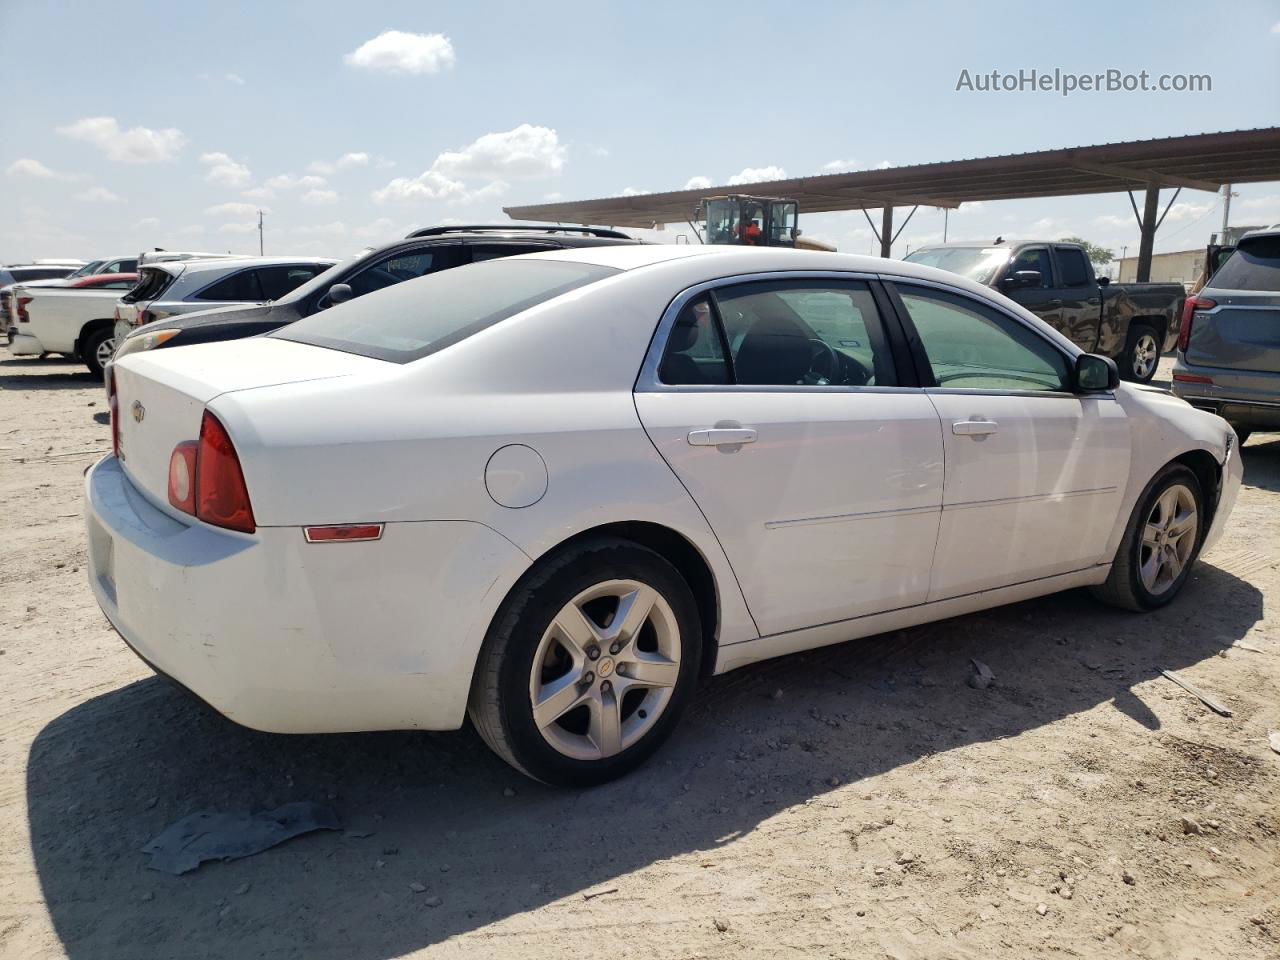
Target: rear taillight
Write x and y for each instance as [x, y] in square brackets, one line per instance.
[1192, 378]
[1188, 312]
[113, 401]
[23, 316]
[221, 497]
[142, 317]
[182, 476]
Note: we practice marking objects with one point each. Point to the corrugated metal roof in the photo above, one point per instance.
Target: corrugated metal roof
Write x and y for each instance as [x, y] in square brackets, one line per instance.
[1202, 161]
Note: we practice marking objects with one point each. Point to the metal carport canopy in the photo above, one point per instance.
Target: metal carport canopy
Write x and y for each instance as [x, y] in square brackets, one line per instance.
[1202, 161]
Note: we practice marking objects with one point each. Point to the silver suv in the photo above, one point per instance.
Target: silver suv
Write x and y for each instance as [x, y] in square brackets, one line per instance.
[167, 289]
[1229, 346]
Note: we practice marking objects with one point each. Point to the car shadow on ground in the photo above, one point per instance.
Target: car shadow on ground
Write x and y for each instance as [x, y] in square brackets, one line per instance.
[31, 374]
[1261, 458]
[109, 774]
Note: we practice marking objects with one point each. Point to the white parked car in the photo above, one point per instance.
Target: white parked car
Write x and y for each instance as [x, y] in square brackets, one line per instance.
[171, 287]
[555, 491]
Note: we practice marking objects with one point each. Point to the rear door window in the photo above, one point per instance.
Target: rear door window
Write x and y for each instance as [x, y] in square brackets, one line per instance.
[402, 266]
[492, 251]
[238, 287]
[151, 285]
[1075, 271]
[1254, 266]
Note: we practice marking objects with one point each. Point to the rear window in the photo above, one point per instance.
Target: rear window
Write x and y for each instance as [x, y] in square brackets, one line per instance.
[151, 285]
[1254, 266]
[410, 320]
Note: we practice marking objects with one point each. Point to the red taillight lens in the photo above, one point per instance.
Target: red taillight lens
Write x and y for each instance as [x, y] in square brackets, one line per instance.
[23, 316]
[343, 533]
[182, 476]
[113, 401]
[221, 496]
[1188, 312]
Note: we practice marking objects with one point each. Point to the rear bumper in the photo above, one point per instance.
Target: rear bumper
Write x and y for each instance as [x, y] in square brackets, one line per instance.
[24, 345]
[1247, 398]
[1232, 473]
[290, 637]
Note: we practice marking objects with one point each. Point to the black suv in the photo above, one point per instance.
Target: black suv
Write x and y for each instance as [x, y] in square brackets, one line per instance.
[422, 252]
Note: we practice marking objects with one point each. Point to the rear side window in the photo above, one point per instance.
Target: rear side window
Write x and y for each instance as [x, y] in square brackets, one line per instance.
[1075, 273]
[40, 273]
[410, 320]
[1254, 266]
[151, 285]
[239, 286]
[278, 281]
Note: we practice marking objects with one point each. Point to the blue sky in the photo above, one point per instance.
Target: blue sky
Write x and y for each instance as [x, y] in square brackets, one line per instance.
[169, 124]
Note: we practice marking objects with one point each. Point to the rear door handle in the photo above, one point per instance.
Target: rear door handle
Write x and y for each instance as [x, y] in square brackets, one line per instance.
[722, 437]
[1055, 302]
[974, 428]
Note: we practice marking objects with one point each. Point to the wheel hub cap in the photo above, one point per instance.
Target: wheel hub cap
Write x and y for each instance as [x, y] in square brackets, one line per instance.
[1168, 539]
[589, 709]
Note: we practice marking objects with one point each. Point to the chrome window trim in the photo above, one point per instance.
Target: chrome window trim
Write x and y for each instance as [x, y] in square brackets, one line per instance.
[648, 381]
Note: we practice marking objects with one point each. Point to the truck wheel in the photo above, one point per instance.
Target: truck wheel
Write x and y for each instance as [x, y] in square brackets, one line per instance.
[1141, 355]
[96, 350]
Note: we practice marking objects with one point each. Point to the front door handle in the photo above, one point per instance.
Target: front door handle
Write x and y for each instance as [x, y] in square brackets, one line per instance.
[1055, 302]
[722, 437]
[974, 428]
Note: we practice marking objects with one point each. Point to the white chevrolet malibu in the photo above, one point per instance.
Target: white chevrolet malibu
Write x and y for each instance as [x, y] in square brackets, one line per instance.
[554, 492]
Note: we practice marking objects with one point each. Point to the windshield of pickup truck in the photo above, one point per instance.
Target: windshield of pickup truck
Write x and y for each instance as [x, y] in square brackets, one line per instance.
[976, 263]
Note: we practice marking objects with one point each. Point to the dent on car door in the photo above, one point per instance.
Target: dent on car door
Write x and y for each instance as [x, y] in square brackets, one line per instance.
[1034, 472]
[777, 404]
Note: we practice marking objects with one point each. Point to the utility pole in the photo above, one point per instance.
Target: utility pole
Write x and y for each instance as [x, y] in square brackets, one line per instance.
[946, 215]
[1226, 211]
[259, 233]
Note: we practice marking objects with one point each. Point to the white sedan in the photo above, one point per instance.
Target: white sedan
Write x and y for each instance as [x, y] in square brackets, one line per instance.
[554, 492]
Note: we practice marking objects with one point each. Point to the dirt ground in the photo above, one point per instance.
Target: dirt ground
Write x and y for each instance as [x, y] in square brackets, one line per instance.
[858, 801]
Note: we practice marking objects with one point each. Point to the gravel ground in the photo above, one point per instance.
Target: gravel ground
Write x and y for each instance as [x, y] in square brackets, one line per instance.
[858, 801]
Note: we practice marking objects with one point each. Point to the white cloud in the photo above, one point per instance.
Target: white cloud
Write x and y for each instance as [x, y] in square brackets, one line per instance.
[319, 197]
[553, 196]
[883, 165]
[599, 151]
[235, 209]
[190, 229]
[382, 227]
[839, 166]
[26, 167]
[431, 185]
[98, 195]
[234, 78]
[394, 51]
[1188, 211]
[335, 229]
[634, 192]
[344, 162]
[755, 174]
[135, 145]
[224, 171]
[287, 181]
[524, 153]
[238, 227]
[1275, 27]
[697, 183]
[259, 193]
[147, 223]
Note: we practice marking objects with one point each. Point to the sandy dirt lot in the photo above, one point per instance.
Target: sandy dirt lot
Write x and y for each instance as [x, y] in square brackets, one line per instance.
[859, 801]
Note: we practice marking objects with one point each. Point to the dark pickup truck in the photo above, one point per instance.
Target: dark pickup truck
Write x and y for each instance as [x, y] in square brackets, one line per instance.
[1134, 323]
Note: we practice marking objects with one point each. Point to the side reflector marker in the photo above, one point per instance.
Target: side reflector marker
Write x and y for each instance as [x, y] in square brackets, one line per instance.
[344, 533]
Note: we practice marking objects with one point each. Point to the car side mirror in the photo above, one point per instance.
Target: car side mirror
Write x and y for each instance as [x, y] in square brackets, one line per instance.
[1095, 373]
[340, 293]
[1022, 278]
[1104, 281]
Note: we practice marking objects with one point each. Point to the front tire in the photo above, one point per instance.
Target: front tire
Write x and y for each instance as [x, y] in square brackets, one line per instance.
[588, 664]
[96, 350]
[1160, 544]
[1141, 354]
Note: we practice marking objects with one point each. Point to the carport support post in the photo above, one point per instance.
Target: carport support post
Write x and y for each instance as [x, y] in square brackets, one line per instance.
[1149, 224]
[886, 232]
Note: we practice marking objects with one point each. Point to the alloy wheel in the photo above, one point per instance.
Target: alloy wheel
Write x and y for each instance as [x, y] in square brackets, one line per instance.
[105, 349]
[1146, 355]
[605, 669]
[1168, 539]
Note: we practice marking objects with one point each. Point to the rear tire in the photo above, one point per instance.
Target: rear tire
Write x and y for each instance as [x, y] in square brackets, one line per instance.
[1141, 354]
[96, 350]
[588, 664]
[1154, 558]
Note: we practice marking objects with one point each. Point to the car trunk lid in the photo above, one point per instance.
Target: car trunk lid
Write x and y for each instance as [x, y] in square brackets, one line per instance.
[161, 396]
